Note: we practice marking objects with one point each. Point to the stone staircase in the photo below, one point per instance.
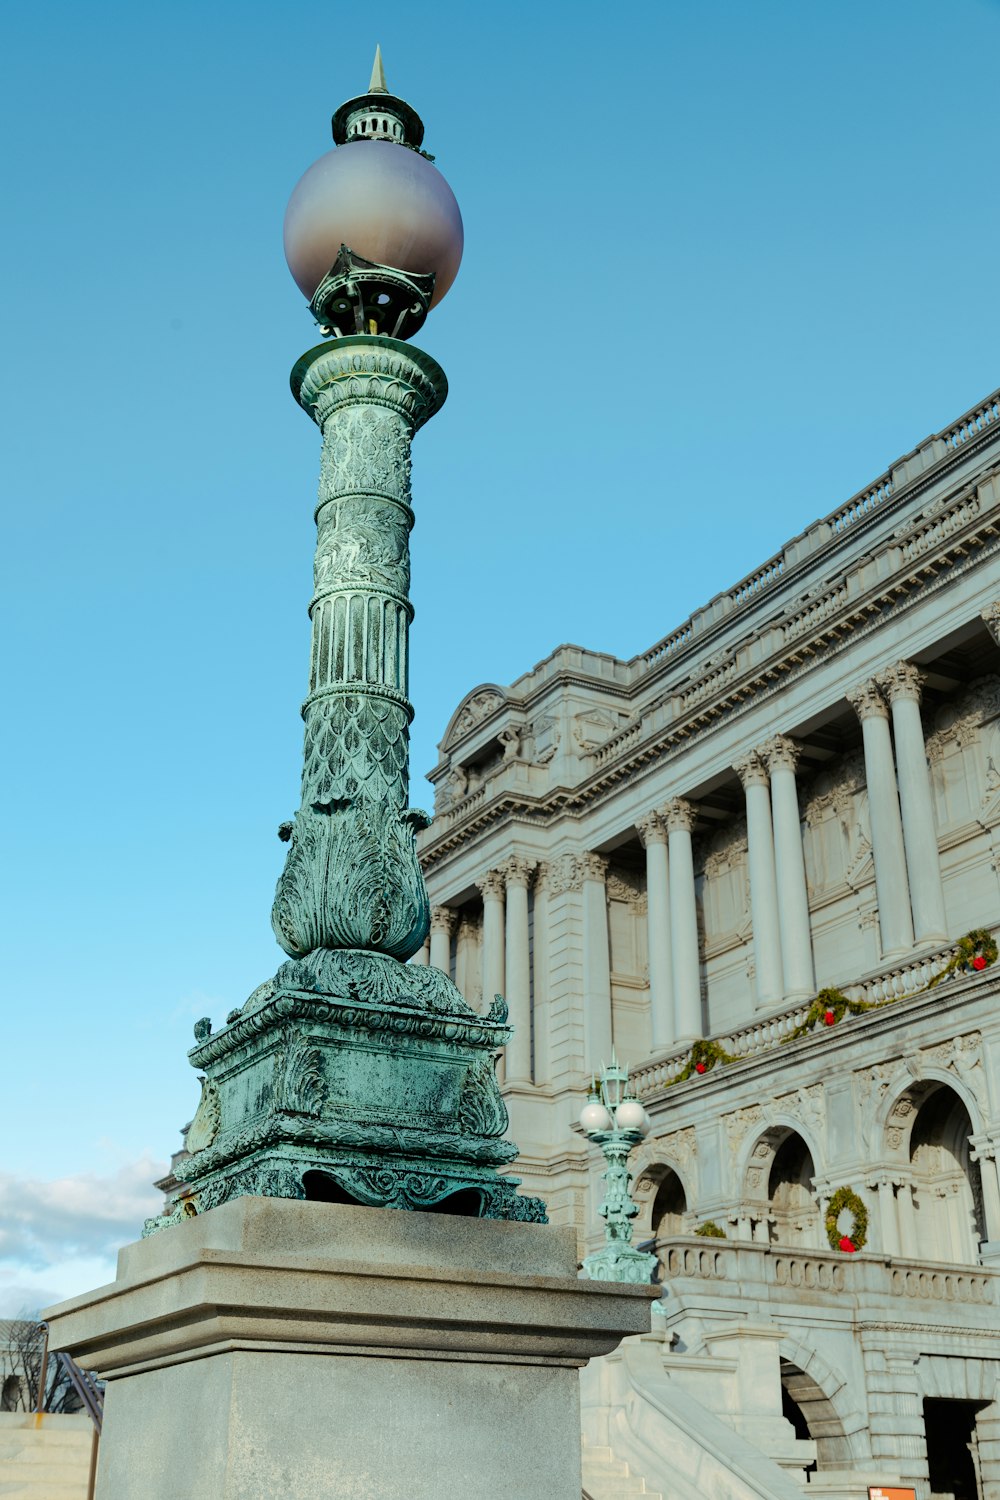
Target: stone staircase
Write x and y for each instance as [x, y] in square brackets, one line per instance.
[608, 1478]
[46, 1461]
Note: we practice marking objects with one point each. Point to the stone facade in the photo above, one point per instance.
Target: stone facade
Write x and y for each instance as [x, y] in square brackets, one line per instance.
[794, 792]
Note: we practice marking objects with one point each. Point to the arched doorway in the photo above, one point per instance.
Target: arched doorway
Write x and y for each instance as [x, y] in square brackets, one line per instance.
[947, 1190]
[793, 1213]
[669, 1212]
[814, 1416]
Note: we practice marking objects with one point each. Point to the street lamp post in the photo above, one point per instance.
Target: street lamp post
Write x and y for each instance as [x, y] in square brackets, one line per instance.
[616, 1122]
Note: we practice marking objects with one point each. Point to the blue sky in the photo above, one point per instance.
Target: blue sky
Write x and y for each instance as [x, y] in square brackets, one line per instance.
[724, 262]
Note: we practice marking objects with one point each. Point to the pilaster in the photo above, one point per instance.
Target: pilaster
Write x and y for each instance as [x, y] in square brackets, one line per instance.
[902, 685]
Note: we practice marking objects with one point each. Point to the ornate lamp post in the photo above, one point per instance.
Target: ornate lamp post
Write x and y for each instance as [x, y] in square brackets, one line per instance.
[616, 1122]
[352, 1076]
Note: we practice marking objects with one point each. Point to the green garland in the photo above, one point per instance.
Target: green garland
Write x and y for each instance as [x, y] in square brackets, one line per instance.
[710, 1230]
[977, 944]
[846, 1197]
[706, 1054]
[828, 1003]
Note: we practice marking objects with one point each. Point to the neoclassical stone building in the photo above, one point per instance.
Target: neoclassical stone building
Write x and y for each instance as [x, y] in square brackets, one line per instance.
[797, 790]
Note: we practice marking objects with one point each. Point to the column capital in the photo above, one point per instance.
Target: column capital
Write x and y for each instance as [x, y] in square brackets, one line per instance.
[679, 815]
[991, 619]
[650, 829]
[781, 753]
[492, 886]
[443, 919]
[751, 769]
[517, 870]
[543, 876]
[903, 680]
[592, 866]
[868, 701]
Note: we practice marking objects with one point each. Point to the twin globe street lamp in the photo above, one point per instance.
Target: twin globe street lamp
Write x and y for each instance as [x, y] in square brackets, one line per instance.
[616, 1121]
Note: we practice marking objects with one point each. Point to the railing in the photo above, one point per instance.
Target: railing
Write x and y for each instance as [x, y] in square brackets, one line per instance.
[741, 1263]
[670, 643]
[755, 583]
[88, 1389]
[862, 504]
[858, 508]
[973, 422]
[902, 980]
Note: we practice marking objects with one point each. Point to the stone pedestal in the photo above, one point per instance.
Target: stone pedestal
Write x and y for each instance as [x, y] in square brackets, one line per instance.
[274, 1349]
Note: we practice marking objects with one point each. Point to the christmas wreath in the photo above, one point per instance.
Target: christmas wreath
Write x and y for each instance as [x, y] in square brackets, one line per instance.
[846, 1197]
[977, 950]
[704, 1056]
[710, 1230]
[829, 1007]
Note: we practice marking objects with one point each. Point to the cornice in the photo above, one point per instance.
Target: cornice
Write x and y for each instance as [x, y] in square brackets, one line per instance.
[857, 618]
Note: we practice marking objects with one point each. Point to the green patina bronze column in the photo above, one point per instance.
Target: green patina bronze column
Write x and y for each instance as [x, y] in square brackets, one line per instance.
[351, 1075]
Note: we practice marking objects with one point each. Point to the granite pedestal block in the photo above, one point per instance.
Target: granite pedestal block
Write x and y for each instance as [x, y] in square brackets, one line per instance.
[274, 1349]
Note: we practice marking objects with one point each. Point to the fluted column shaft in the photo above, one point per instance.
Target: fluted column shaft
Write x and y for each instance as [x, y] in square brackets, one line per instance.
[679, 817]
[781, 755]
[891, 888]
[541, 1021]
[518, 872]
[351, 876]
[491, 888]
[596, 963]
[768, 975]
[902, 685]
[442, 922]
[661, 990]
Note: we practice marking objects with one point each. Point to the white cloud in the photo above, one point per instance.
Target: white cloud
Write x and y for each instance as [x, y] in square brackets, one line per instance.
[81, 1218]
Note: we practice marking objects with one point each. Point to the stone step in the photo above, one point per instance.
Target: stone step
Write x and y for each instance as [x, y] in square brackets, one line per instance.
[608, 1478]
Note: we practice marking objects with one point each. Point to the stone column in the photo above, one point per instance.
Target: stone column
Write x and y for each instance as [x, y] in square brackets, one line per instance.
[679, 817]
[763, 885]
[661, 994]
[984, 1153]
[888, 1227]
[901, 685]
[540, 976]
[907, 1219]
[517, 872]
[596, 963]
[422, 956]
[782, 757]
[491, 888]
[891, 887]
[442, 923]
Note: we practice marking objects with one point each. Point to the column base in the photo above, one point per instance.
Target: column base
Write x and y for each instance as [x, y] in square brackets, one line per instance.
[273, 1348]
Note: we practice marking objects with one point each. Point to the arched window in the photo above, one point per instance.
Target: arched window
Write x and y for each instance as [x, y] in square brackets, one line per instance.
[946, 1183]
[669, 1207]
[794, 1214]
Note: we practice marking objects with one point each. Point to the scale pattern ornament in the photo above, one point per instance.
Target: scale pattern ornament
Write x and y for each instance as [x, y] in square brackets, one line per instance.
[351, 878]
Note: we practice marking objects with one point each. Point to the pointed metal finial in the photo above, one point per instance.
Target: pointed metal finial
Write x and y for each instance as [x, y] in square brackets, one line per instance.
[378, 84]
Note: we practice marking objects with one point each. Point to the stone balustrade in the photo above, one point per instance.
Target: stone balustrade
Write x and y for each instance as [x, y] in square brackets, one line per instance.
[788, 1273]
[861, 505]
[973, 422]
[904, 980]
[756, 582]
